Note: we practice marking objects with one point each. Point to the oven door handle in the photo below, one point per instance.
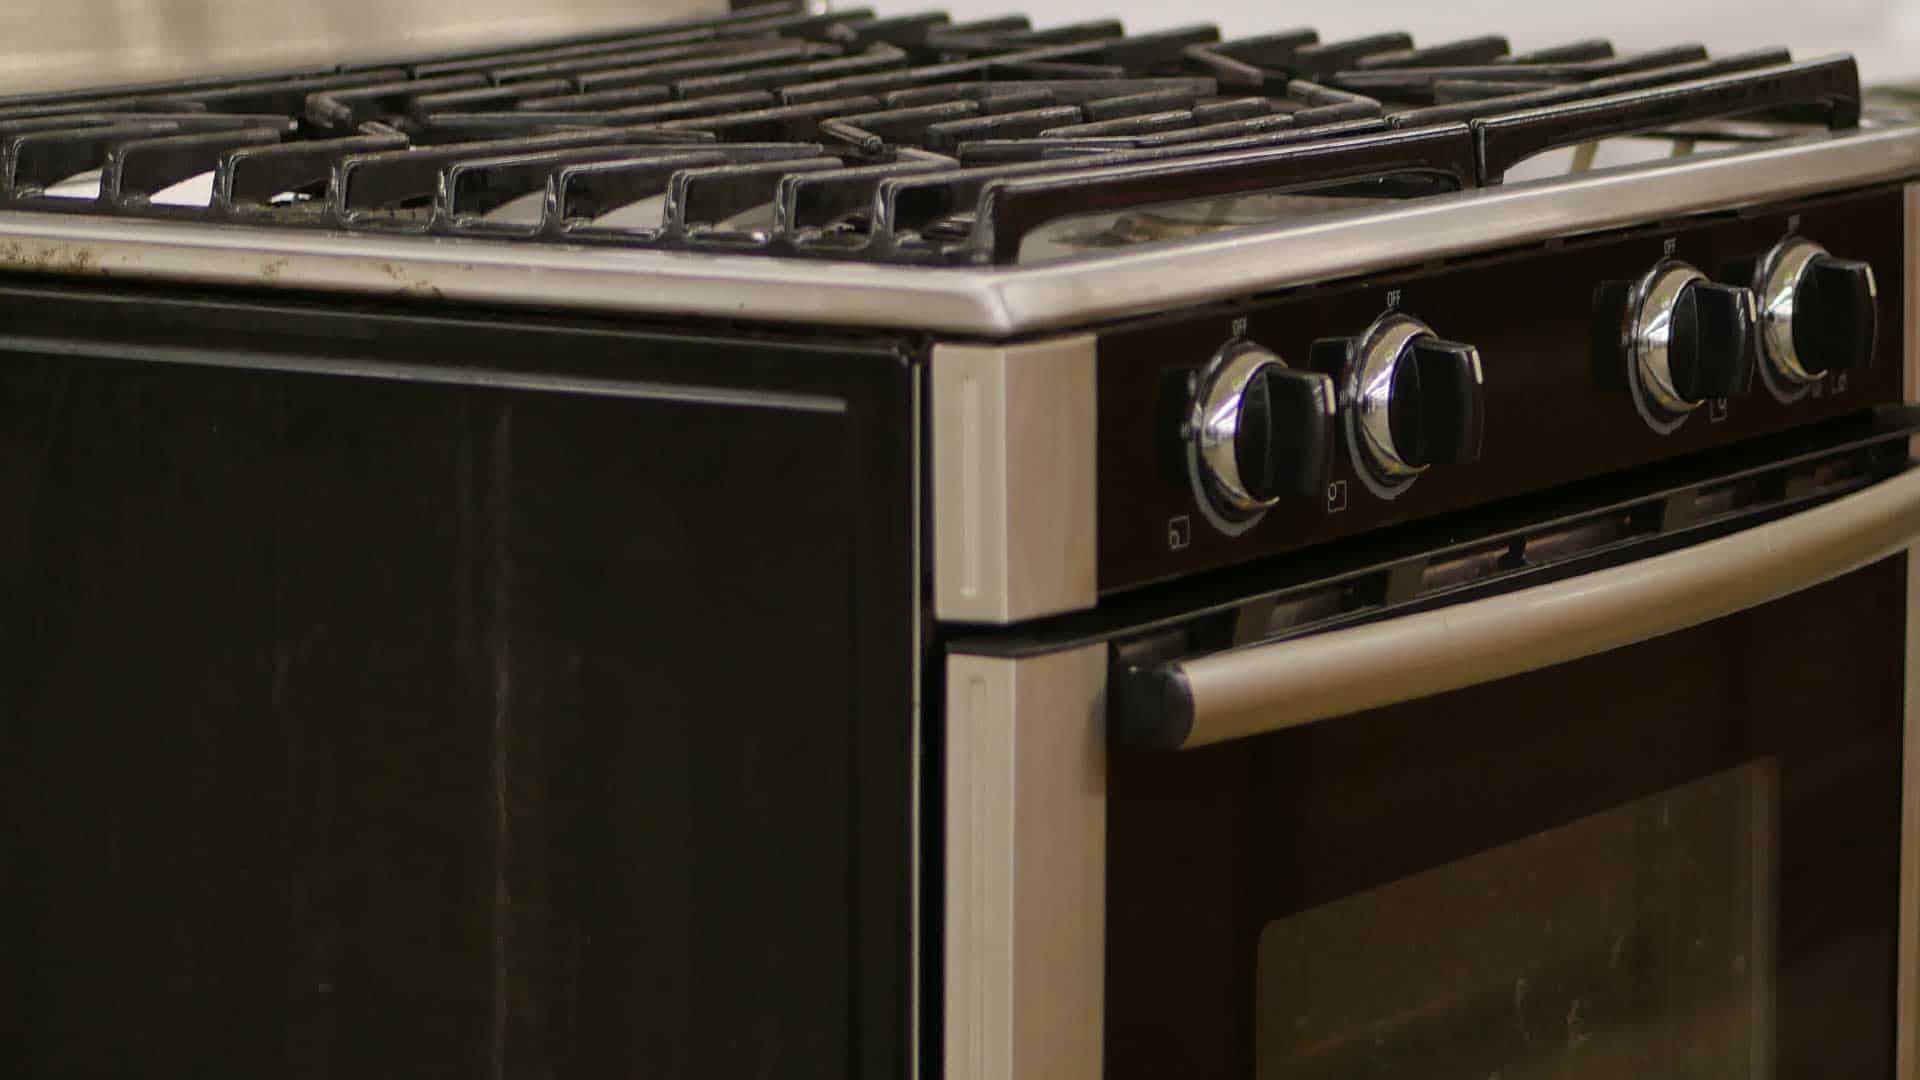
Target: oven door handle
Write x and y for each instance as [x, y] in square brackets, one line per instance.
[1258, 689]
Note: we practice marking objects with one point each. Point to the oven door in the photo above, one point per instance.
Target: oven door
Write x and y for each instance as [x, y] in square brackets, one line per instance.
[1513, 811]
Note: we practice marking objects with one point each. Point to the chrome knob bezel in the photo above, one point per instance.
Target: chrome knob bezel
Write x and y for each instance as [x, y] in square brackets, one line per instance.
[1649, 339]
[1212, 428]
[1371, 393]
[1368, 394]
[1776, 281]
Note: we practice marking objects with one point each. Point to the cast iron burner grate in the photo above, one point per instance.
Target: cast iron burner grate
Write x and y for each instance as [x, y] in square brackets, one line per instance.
[906, 138]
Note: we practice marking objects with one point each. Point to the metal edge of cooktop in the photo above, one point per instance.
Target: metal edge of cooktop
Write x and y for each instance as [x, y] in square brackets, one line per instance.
[982, 301]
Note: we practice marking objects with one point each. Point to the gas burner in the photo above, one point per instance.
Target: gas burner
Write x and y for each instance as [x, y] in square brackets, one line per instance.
[910, 139]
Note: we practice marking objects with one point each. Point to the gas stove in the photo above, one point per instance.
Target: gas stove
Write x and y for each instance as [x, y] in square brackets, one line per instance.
[796, 427]
[905, 140]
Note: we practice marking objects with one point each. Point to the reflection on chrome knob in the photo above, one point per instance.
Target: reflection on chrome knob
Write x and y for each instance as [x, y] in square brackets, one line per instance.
[1688, 340]
[1258, 430]
[1817, 314]
[1414, 401]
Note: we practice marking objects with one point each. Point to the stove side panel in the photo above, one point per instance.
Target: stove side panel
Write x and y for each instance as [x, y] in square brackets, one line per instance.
[392, 695]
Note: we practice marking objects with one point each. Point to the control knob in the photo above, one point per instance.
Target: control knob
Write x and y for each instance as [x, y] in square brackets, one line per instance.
[1684, 340]
[1257, 431]
[1413, 399]
[1818, 314]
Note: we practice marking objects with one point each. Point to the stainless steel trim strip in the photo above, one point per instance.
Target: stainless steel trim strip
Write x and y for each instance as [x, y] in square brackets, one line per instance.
[993, 303]
[1026, 843]
[1910, 312]
[1013, 480]
[1266, 688]
[1907, 1002]
[681, 284]
[917, 723]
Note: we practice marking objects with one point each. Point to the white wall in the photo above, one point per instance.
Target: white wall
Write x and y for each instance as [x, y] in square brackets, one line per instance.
[1884, 34]
[49, 43]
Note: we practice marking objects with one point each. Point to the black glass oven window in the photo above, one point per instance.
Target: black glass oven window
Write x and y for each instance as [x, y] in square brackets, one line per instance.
[1438, 889]
[1634, 942]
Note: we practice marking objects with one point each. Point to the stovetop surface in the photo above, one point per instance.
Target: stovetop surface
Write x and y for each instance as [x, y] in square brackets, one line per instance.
[846, 135]
[752, 148]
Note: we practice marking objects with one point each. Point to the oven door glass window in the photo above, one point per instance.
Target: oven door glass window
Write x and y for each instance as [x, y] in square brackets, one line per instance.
[1633, 942]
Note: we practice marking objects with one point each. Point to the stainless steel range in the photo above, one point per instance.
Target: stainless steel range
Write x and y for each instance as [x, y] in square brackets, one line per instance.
[795, 544]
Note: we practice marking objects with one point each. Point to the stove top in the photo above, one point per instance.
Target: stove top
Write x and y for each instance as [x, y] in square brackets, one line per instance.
[995, 152]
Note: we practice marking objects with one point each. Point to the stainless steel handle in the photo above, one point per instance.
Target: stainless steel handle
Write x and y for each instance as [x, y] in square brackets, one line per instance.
[1265, 688]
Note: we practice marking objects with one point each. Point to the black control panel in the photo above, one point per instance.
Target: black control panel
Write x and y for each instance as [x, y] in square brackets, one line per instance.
[1282, 422]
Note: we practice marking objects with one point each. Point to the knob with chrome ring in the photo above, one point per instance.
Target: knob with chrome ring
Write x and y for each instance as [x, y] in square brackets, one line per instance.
[1258, 430]
[1686, 340]
[1818, 314]
[1413, 401]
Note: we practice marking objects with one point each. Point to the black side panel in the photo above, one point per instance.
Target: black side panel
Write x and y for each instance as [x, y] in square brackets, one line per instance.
[368, 726]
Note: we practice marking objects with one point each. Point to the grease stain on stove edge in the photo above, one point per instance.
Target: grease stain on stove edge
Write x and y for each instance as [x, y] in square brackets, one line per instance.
[63, 258]
[415, 287]
[51, 258]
